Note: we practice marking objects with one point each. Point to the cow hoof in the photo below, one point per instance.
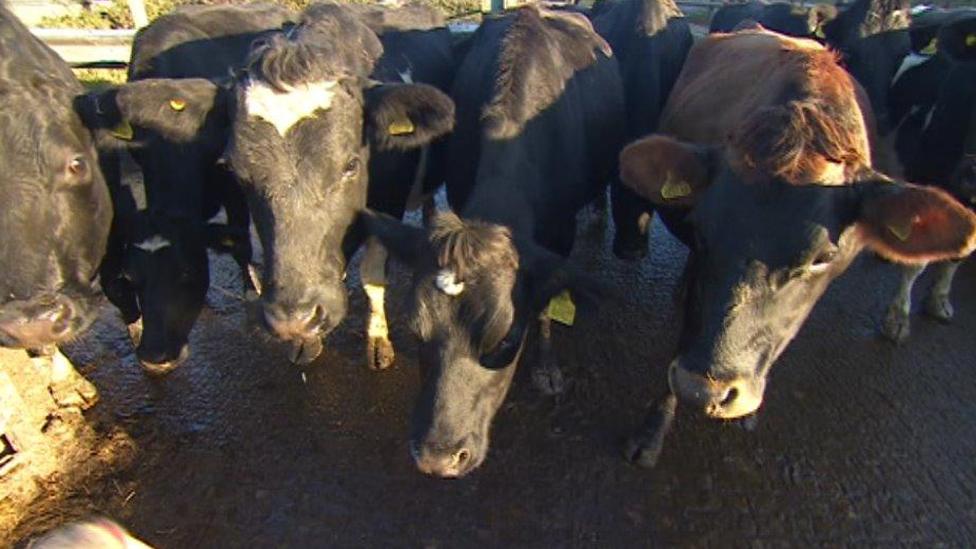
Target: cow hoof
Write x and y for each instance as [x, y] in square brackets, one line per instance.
[896, 325]
[548, 378]
[74, 392]
[379, 352]
[135, 332]
[642, 451]
[939, 308]
[305, 351]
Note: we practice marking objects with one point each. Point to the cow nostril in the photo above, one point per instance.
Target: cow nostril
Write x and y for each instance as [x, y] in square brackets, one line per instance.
[318, 316]
[461, 457]
[729, 397]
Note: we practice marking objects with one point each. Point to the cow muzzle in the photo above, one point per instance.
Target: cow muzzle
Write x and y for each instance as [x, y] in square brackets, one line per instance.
[452, 461]
[39, 323]
[716, 398]
[162, 362]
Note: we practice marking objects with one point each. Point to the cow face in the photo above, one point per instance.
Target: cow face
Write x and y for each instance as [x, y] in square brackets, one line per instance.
[56, 215]
[302, 121]
[473, 297]
[764, 252]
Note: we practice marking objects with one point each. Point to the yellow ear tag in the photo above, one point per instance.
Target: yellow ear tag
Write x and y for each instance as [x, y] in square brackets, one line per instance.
[931, 48]
[901, 232]
[177, 104]
[970, 40]
[123, 131]
[819, 33]
[227, 242]
[562, 309]
[401, 127]
[672, 190]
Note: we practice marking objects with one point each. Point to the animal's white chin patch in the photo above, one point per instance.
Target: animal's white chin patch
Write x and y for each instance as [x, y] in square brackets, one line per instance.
[283, 109]
[446, 281]
[153, 244]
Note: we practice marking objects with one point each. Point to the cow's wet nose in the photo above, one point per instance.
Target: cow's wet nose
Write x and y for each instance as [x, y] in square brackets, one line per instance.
[161, 361]
[294, 323]
[36, 329]
[443, 463]
[718, 398]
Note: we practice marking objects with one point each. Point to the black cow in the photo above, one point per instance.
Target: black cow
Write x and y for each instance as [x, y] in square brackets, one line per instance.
[872, 38]
[650, 39]
[56, 207]
[539, 118]
[157, 271]
[931, 100]
[790, 19]
[317, 111]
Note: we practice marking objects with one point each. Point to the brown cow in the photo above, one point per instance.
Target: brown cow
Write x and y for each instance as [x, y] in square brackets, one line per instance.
[771, 185]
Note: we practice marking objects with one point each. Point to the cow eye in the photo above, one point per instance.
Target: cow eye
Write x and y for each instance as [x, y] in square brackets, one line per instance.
[351, 168]
[77, 166]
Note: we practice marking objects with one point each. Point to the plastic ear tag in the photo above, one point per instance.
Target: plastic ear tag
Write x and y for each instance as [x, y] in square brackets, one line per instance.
[672, 190]
[123, 131]
[562, 309]
[400, 127]
[901, 232]
[177, 104]
[819, 33]
[970, 40]
[931, 48]
[227, 242]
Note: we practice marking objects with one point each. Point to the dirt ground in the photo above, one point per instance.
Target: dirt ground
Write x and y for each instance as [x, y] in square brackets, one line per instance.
[859, 441]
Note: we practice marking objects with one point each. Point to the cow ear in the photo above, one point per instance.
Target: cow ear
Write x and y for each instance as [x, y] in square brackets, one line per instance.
[958, 40]
[225, 239]
[552, 274]
[177, 109]
[914, 224]
[406, 116]
[665, 171]
[818, 17]
[408, 244]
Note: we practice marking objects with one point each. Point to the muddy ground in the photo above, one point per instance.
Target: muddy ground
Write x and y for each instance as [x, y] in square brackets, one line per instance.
[858, 442]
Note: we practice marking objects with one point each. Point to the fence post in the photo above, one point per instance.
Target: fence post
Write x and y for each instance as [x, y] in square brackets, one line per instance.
[138, 9]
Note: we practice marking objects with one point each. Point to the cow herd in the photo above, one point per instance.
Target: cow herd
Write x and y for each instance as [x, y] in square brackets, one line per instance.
[775, 157]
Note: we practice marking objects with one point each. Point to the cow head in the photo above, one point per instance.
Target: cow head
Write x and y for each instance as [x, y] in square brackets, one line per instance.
[474, 295]
[56, 212]
[765, 251]
[872, 38]
[302, 119]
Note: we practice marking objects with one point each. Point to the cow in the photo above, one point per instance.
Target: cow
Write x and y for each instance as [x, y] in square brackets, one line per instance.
[57, 209]
[873, 39]
[789, 19]
[341, 99]
[156, 271]
[935, 141]
[777, 194]
[650, 39]
[540, 119]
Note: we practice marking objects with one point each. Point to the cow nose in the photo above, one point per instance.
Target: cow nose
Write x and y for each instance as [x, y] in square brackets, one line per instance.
[717, 398]
[160, 361]
[298, 322]
[441, 463]
[32, 329]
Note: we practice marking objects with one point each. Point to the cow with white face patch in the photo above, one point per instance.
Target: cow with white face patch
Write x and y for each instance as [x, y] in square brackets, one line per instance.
[319, 110]
[935, 141]
[774, 193]
[156, 271]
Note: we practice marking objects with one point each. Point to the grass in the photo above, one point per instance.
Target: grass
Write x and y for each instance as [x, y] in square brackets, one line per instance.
[100, 78]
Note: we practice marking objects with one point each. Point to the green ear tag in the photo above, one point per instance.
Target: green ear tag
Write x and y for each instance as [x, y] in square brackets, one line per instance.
[901, 232]
[931, 48]
[672, 190]
[562, 309]
[970, 40]
[401, 127]
[123, 131]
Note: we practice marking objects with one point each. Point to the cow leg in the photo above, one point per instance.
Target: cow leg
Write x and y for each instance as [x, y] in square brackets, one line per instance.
[546, 374]
[644, 447]
[937, 305]
[67, 387]
[896, 325]
[429, 210]
[239, 220]
[631, 220]
[379, 349]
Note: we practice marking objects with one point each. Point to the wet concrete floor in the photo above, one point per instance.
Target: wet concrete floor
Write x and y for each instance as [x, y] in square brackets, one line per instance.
[859, 441]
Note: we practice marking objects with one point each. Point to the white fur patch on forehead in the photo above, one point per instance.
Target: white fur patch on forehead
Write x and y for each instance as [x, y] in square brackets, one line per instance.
[283, 109]
[153, 244]
[446, 281]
